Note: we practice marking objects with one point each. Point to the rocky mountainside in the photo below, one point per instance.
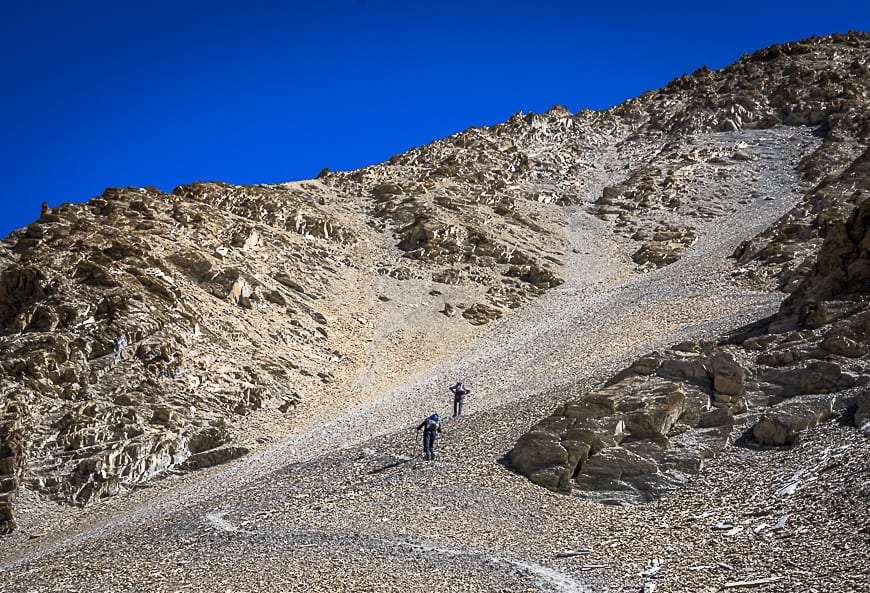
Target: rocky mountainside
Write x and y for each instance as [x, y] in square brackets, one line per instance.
[144, 335]
[651, 427]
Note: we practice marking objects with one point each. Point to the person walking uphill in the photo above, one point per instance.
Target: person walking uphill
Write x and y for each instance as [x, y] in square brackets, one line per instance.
[431, 427]
[459, 392]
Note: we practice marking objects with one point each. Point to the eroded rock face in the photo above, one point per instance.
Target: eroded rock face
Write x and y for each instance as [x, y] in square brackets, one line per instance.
[649, 430]
[842, 272]
[822, 367]
[139, 330]
[787, 253]
[125, 341]
[15, 423]
[633, 440]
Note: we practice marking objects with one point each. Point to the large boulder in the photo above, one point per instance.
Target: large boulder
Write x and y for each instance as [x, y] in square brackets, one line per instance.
[728, 376]
[818, 376]
[614, 444]
[540, 455]
[781, 424]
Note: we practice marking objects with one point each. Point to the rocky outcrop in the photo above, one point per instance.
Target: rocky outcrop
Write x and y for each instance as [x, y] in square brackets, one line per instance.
[842, 272]
[649, 430]
[781, 424]
[829, 356]
[126, 347]
[806, 366]
[787, 252]
[140, 330]
[449, 204]
[642, 435]
[15, 423]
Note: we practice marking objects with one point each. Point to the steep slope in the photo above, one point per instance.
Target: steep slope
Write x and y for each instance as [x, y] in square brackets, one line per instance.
[650, 428]
[141, 329]
[146, 332]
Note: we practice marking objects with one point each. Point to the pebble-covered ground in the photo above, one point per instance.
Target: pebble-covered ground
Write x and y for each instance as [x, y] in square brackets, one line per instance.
[350, 505]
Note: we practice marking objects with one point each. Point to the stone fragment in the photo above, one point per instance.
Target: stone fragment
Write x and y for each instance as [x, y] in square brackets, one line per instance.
[728, 376]
[481, 313]
[646, 365]
[213, 457]
[247, 238]
[241, 292]
[781, 424]
[815, 377]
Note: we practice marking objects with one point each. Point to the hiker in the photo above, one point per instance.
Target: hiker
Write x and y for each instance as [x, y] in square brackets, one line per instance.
[431, 427]
[459, 392]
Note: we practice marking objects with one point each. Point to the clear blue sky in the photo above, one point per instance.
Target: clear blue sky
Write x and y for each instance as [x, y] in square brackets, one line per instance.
[101, 93]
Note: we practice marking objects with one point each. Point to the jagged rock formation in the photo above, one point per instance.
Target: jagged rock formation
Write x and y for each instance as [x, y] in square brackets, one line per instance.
[822, 83]
[650, 428]
[813, 363]
[640, 435]
[140, 332]
[128, 344]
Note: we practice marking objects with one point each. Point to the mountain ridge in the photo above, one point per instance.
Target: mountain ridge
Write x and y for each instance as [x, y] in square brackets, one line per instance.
[147, 333]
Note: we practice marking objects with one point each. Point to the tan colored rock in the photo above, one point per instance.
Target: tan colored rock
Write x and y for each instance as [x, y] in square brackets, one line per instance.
[781, 424]
[728, 376]
[246, 239]
[241, 292]
[481, 313]
[613, 444]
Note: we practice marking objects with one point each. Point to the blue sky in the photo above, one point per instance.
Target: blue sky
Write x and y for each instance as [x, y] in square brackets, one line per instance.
[105, 93]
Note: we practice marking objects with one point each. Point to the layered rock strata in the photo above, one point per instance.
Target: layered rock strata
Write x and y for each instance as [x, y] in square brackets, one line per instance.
[649, 430]
[139, 332]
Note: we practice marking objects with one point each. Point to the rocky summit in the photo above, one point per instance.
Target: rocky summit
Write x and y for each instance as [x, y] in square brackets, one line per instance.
[662, 311]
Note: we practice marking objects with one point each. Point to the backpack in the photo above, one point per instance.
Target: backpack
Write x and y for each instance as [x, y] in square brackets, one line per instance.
[431, 425]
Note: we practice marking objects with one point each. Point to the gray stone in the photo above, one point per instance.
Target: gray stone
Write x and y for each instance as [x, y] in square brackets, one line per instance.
[862, 408]
[781, 424]
[728, 376]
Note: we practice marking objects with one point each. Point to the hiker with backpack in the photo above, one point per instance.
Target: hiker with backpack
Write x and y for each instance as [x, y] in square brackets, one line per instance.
[459, 392]
[431, 427]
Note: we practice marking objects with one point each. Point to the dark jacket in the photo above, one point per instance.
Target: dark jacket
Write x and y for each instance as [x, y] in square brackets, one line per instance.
[430, 425]
[459, 389]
